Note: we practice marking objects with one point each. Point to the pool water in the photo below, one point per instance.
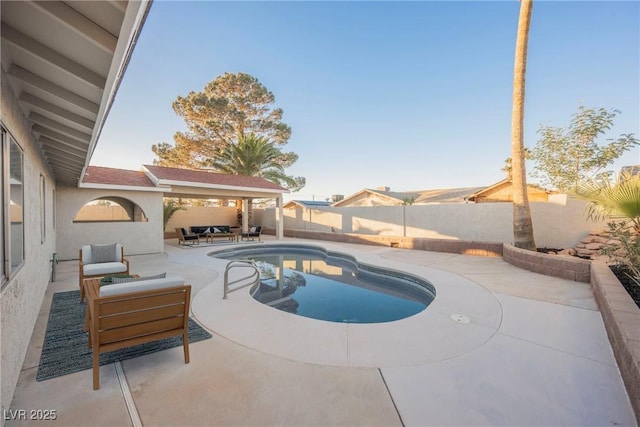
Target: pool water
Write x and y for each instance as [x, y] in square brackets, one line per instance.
[314, 283]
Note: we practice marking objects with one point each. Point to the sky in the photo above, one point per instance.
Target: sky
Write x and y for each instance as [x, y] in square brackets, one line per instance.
[408, 95]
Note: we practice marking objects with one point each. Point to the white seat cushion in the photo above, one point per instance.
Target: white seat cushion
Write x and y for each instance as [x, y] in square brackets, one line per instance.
[104, 268]
[144, 285]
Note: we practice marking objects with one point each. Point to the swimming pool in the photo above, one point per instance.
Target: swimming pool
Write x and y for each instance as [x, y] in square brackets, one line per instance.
[312, 282]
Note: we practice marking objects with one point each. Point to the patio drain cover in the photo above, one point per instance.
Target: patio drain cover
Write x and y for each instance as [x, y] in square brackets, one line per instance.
[460, 318]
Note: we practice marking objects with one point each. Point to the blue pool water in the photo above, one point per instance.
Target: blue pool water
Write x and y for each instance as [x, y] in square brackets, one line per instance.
[312, 282]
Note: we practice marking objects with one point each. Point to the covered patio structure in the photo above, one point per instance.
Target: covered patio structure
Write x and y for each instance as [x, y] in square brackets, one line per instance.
[142, 192]
[188, 183]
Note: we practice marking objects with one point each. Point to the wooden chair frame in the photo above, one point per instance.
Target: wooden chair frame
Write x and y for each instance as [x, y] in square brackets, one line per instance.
[128, 319]
[185, 239]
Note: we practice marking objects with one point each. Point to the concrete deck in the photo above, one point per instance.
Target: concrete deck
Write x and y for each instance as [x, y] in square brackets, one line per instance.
[535, 352]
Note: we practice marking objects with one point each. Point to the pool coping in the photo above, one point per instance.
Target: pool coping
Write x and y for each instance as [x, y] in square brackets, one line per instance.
[376, 345]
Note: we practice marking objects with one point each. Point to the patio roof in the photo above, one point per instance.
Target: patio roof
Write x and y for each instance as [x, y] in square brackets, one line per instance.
[177, 182]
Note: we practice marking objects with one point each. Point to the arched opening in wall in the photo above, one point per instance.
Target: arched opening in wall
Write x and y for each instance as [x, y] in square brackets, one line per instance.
[110, 209]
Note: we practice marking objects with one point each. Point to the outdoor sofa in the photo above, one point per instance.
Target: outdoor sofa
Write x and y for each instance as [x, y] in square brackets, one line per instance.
[212, 231]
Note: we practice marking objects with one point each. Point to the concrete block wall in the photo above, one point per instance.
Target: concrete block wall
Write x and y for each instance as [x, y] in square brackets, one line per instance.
[560, 224]
[437, 245]
[565, 267]
[622, 320]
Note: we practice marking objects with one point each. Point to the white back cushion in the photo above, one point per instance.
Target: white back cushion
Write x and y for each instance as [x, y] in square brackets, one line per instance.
[144, 285]
[88, 259]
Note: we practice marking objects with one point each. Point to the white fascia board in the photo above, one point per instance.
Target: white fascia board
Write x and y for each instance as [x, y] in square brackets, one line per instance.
[132, 23]
[151, 176]
[122, 187]
[221, 187]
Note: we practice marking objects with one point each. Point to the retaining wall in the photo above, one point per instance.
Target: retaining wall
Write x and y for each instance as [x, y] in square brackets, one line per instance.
[565, 267]
[622, 320]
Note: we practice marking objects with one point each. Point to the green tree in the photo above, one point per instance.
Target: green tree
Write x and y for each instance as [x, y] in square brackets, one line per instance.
[508, 163]
[168, 209]
[408, 201]
[565, 157]
[617, 200]
[255, 155]
[229, 107]
[620, 203]
[522, 223]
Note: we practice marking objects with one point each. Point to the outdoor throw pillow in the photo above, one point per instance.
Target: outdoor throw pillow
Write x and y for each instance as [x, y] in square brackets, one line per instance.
[252, 230]
[216, 230]
[137, 279]
[104, 253]
[208, 230]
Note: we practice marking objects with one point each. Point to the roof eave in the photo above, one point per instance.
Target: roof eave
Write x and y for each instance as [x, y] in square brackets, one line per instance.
[168, 182]
[132, 23]
[120, 187]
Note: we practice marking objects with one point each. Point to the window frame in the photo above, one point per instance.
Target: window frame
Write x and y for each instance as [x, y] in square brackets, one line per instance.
[43, 209]
[9, 269]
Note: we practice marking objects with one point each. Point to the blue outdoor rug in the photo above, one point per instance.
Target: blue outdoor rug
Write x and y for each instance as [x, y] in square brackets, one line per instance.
[65, 349]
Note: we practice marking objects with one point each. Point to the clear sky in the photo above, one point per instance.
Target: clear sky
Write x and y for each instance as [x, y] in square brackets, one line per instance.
[409, 95]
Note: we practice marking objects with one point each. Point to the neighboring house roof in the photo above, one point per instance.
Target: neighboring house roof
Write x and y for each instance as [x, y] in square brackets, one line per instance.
[445, 195]
[176, 182]
[65, 60]
[306, 204]
[489, 189]
[423, 197]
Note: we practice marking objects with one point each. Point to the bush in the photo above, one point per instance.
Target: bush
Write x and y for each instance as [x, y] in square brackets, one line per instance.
[625, 248]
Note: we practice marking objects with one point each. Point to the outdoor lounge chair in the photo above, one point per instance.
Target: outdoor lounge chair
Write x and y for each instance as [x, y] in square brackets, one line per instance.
[252, 233]
[127, 314]
[99, 261]
[185, 238]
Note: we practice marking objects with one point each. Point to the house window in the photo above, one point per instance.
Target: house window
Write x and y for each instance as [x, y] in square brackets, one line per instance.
[12, 206]
[3, 244]
[43, 211]
[53, 207]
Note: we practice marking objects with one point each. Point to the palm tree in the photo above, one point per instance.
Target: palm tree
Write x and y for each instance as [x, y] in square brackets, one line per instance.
[616, 200]
[256, 156]
[522, 224]
[621, 203]
[168, 209]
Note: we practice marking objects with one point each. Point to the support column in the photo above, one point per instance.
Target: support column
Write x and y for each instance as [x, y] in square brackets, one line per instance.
[279, 218]
[245, 215]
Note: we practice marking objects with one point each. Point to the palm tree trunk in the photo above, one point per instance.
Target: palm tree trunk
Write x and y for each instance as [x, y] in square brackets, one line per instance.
[522, 224]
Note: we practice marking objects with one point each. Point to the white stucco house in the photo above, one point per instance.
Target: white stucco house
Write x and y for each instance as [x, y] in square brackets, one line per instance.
[61, 66]
[62, 63]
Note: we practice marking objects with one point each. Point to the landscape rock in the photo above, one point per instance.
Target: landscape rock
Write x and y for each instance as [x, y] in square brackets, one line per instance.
[568, 251]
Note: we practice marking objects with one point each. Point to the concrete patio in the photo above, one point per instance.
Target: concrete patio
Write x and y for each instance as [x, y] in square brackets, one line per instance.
[535, 352]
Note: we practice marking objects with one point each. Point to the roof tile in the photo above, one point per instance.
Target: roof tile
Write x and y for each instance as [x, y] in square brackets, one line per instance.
[206, 177]
[112, 176]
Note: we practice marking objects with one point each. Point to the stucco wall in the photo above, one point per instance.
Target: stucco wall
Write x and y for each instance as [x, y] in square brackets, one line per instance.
[202, 215]
[21, 297]
[136, 237]
[556, 225]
